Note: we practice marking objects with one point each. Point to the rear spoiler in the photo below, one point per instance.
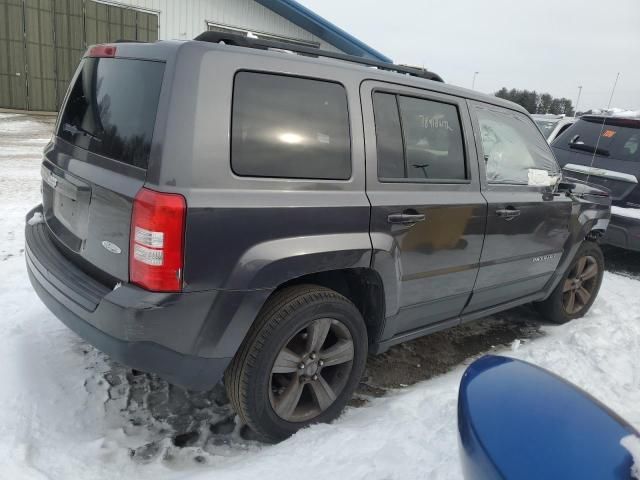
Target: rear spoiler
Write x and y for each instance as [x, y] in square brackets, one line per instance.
[613, 121]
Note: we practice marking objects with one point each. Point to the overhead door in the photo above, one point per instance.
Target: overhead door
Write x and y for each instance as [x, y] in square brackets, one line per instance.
[13, 79]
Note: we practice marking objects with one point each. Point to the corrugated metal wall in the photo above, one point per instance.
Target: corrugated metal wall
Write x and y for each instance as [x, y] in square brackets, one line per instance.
[42, 41]
[184, 19]
[13, 86]
[41, 69]
[70, 41]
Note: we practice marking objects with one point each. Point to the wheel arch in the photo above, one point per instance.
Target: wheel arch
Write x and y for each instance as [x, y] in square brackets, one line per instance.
[362, 286]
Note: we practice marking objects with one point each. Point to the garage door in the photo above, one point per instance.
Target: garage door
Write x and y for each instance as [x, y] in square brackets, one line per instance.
[42, 41]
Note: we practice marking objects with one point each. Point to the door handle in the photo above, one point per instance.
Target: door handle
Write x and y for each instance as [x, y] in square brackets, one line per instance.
[406, 218]
[508, 213]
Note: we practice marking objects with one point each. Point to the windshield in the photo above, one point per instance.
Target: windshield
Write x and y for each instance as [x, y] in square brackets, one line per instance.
[546, 126]
[112, 107]
[619, 139]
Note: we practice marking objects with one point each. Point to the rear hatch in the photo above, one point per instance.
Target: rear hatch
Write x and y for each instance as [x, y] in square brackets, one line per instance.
[604, 151]
[98, 160]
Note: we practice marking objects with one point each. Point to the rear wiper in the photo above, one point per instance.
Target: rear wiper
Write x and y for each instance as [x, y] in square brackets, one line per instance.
[589, 148]
[73, 130]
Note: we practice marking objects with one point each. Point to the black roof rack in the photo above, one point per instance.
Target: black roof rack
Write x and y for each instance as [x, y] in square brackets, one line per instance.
[258, 43]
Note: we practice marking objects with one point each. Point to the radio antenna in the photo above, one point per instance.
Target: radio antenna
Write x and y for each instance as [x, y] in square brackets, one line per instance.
[604, 119]
[615, 84]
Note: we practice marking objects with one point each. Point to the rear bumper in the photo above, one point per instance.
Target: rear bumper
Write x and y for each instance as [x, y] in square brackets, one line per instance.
[188, 371]
[623, 232]
[187, 338]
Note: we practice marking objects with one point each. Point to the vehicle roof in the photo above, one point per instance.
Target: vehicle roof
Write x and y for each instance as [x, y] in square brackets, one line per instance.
[163, 50]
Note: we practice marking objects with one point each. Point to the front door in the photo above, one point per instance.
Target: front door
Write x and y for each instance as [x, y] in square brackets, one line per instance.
[428, 215]
[527, 224]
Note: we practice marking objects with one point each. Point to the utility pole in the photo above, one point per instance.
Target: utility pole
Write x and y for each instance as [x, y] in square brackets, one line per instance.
[577, 101]
[473, 83]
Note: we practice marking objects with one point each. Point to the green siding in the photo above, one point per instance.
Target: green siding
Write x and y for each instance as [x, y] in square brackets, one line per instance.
[129, 25]
[115, 23]
[96, 23]
[41, 80]
[69, 46]
[13, 78]
[42, 41]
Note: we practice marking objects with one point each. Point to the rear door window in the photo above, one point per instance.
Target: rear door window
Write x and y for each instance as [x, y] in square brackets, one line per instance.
[418, 139]
[618, 139]
[289, 127]
[111, 109]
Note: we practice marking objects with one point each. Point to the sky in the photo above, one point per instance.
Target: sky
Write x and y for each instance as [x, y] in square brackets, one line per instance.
[549, 46]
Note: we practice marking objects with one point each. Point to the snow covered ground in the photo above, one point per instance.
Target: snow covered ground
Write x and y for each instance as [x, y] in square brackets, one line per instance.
[69, 413]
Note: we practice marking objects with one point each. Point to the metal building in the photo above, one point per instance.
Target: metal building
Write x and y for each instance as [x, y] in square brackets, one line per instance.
[42, 41]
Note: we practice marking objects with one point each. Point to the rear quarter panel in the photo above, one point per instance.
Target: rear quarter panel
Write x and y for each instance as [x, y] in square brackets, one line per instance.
[246, 233]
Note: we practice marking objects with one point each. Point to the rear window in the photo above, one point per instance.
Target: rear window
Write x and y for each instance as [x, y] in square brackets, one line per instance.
[112, 107]
[418, 139]
[618, 138]
[290, 127]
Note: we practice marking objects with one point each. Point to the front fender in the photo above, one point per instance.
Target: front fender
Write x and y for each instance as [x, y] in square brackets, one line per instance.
[590, 213]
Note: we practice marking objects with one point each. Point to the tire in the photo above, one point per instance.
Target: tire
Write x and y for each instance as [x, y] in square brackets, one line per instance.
[289, 329]
[558, 307]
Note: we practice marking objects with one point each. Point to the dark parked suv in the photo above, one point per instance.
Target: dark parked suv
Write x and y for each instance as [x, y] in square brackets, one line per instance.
[605, 151]
[212, 209]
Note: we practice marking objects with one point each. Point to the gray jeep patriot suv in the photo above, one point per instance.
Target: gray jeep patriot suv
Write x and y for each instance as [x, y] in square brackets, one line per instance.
[273, 213]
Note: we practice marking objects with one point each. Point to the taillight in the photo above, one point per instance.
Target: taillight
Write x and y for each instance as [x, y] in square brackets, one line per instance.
[102, 51]
[156, 252]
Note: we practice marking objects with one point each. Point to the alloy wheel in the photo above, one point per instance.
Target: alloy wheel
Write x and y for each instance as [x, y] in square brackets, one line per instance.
[311, 370]
[579, 286]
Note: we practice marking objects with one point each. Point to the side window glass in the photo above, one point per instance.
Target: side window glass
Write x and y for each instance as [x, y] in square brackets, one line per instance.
[562, 129]
[418, 139]
[631, 147]
[514, 151]
[432, 139]
[289, 127]
[388, 137]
